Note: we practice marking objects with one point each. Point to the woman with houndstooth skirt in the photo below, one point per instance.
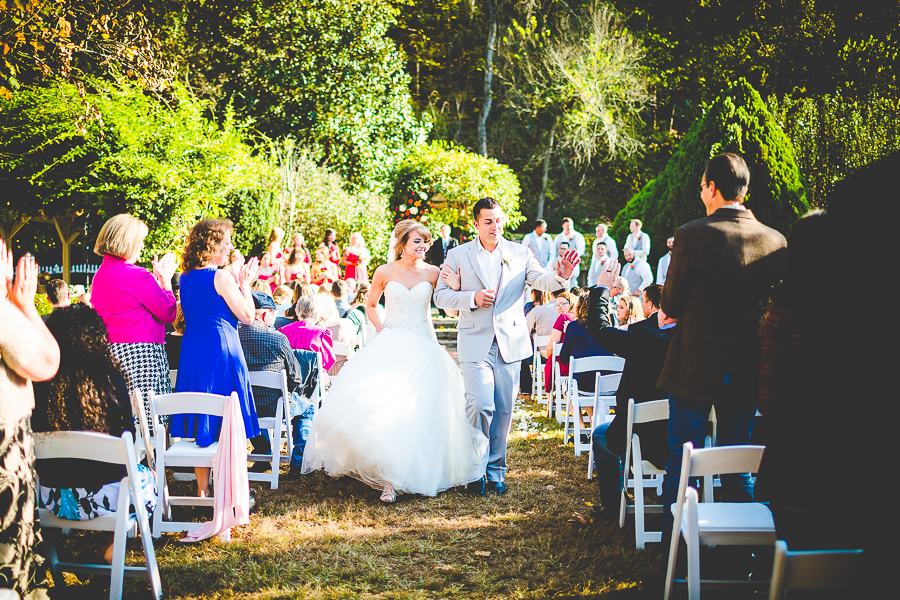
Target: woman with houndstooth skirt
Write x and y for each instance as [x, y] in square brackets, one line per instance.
[135, 305]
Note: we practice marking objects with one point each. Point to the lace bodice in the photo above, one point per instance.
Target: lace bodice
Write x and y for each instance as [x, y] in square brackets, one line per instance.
[409, 308]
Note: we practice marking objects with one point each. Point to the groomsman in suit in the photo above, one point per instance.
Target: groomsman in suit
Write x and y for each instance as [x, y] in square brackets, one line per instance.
[540, 243]
[638, 241]
[636, 272]
[662, 267]
[575, 241]
[437, 254]
[722, 272]
[602, 236]
[644, 346]
[490, 274]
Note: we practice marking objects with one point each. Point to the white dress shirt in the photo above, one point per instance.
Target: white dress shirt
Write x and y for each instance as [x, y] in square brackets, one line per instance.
[489, 263]
[596, 266]
[662, 268]
[541, 247]
[611, 249]
[639, 244]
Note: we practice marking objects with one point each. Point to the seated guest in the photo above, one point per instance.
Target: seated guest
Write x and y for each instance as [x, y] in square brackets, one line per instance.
[539, 321]
[339, 291]
[267, 349]
[629, 311]
[644, 348]
[58, 294]
[307, 334]
[650, 304]
[261, 286]
[284, 299]
[88, 393]
[578, 343]
[566, 304]
[343, 331]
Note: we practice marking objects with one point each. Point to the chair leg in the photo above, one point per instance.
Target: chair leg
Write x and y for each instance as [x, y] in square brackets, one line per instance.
[121, 536]
[640, 532]
[692, 536]
[50, 537]
[673, 555]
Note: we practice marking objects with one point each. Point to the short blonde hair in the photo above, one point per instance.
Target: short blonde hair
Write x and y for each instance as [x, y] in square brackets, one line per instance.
[282, 294]
[121, 236]
[404, 230]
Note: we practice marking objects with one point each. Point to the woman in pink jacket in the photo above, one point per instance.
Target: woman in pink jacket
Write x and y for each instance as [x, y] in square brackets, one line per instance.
[135, 304]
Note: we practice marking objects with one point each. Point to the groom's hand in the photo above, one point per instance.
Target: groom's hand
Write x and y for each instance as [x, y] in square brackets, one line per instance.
[566, 265]
[485, 298]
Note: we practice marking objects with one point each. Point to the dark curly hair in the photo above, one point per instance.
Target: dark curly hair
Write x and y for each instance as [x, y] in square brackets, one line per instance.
[81, 392]
[203, 242]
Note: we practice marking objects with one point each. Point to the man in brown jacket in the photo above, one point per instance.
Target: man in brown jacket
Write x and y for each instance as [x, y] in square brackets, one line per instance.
[722, 271]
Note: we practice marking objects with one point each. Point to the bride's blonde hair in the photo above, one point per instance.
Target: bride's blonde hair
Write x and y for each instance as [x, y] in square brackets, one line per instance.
[404, 230]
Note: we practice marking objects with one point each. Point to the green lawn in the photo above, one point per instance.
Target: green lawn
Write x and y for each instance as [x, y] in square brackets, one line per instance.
[325, 538]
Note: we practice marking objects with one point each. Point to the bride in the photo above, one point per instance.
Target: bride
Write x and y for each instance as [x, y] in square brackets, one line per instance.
[395, 417]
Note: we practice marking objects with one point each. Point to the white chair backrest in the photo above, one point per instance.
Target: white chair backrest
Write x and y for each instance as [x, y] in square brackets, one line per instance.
[541, 341]
[725, 459]
[137, 406]
[607, 385]
[181, 403]
[646, 412]
[86, 445]
[341, 349]
[596, 363]
[813, 570]
[269, 379]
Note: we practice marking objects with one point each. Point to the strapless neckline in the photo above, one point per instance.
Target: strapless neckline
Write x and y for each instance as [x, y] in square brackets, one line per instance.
[409, 289]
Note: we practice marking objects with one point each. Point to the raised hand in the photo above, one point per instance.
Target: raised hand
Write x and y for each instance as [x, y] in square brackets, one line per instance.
[6, 268]
[566, 265]
[450, 278]
[608, 275]
[22, 290]
[248, 270]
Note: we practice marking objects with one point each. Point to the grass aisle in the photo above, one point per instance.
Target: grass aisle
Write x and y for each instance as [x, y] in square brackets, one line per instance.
[325, 538]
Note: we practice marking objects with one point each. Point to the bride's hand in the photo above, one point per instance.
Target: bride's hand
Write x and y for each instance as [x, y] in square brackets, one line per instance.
[450, 278]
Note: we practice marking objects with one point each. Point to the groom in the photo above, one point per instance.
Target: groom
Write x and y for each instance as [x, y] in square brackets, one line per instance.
[493, 337]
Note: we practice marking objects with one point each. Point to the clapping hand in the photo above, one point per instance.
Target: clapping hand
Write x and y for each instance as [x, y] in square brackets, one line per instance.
[450, 278]
[21, 291]
[164, 268]
[566, 265]
[608, 275]
[248, 270]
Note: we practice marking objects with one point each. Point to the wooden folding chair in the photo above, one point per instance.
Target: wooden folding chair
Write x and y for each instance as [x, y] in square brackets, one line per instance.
[105, 448]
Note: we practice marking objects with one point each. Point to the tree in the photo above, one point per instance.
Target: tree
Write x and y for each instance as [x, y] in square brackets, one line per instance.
[320, 71]
[487, 98]
[737, 122]
[71, 38]
[65, 164]
[440, 183]
[586, 80]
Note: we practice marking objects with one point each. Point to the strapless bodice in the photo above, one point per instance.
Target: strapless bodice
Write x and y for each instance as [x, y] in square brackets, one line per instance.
[409, 309]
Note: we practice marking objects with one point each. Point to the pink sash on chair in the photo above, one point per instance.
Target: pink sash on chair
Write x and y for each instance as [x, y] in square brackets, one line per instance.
[232, 488]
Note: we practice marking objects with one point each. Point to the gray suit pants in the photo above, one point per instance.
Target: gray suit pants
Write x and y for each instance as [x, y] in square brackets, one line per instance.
[490, 385]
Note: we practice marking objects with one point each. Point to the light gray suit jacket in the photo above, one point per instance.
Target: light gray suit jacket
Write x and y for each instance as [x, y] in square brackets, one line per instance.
[505, 320]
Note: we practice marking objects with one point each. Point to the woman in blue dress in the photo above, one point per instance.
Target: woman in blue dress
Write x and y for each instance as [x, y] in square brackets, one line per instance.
[211, 361]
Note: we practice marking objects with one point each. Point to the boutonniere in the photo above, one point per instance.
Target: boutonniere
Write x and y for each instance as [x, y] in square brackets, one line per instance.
[505, 259]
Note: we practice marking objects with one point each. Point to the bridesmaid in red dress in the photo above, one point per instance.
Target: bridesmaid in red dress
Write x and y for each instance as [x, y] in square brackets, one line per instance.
[299, 245]
[334, 253]
[276, 254]
[296, 267]
[356, 257]
[323, 271]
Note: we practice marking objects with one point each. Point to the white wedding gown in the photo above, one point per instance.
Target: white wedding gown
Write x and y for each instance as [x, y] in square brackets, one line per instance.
[396, 414]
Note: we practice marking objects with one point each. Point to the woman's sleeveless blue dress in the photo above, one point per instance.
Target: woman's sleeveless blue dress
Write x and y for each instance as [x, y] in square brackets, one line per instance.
[211, 359]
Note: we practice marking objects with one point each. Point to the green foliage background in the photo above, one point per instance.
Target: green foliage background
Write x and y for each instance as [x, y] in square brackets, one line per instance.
[440, 183]
[737, 122]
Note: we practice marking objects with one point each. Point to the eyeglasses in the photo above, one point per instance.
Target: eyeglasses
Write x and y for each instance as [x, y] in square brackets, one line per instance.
[563, 303]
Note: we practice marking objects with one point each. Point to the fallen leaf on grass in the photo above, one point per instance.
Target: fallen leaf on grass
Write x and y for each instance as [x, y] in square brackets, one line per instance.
[533, 434]
[443, 567]
[550, 488]
[482, 553]
[579, 518]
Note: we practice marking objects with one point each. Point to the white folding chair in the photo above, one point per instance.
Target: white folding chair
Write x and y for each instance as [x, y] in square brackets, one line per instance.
[537, 369]
[814, 570]
[715, 524]
[604, 387]
[181, 453]
[279, 426]
[576, 399]
[558, 385]
[644, 412]
[108, 449]
[342, 349]
[144, 444]
[319, 392]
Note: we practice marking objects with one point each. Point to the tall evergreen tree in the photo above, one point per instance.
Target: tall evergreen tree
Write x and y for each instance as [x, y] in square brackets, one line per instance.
[738, 122]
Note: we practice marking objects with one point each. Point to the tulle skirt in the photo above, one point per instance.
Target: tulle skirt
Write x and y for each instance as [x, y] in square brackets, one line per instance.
[396, 415]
